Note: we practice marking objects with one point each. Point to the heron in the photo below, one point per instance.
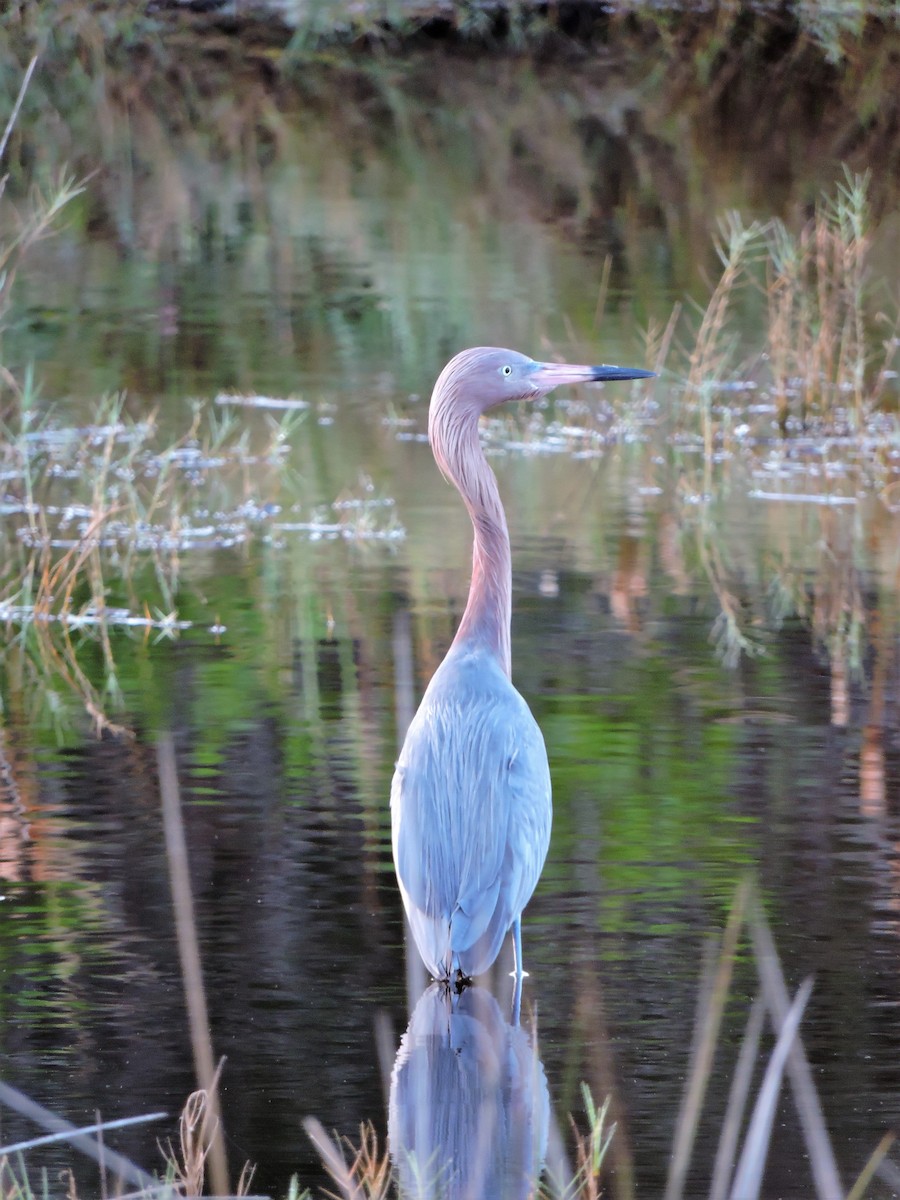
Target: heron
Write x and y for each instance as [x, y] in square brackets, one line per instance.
[470, 799]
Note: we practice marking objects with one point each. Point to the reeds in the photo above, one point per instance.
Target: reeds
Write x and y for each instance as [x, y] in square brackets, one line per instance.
[37, 220]
[747, 1123]
[826, 344]
[102, 519]
[15, 1181]
[746, 1126]
[738, 1174]
[360, 1171]
[788, 395]
[821, 356]
[591, 1147]
[184, 1177]
[198, 1133]
[107, 514]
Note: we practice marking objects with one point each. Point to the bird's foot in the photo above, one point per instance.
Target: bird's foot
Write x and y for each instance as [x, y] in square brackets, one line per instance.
[461, 981]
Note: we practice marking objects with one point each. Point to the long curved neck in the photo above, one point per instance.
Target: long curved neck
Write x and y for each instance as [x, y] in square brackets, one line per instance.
[457, 448]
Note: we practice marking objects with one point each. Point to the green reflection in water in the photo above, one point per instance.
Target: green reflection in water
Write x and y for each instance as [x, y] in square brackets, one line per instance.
[316, 258]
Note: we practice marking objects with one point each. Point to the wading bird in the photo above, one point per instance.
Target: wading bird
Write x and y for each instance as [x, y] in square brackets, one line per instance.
[470, 799]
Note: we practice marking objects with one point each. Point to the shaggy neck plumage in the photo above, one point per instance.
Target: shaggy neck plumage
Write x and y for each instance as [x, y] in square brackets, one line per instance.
[453, 430]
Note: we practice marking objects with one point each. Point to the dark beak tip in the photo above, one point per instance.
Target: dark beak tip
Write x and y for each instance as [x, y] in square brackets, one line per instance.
[605, 373]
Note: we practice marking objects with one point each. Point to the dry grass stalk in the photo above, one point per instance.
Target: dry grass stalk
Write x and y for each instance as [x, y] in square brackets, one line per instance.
[876, 1158]
[14, 114]
[198, 1126]
[749, 1173]
[711, 357]
[367, 1176]
[658, 340]
[817, 287]
[806, 1098]
[738, 1094]
[245, 1179]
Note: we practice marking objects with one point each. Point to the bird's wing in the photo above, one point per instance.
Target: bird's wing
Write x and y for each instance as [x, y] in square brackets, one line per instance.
[471, 803]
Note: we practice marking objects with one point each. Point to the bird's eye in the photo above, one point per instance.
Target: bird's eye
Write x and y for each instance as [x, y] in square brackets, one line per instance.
[507, 370]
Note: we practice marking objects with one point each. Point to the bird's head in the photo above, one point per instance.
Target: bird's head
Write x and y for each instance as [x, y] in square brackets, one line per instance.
[485, 376]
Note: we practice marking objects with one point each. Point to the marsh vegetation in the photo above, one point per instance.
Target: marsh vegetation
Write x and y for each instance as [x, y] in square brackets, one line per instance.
[230, 274]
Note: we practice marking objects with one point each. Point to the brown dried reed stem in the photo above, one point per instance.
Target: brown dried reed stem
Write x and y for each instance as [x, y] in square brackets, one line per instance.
[367, 1176]
[817, 285]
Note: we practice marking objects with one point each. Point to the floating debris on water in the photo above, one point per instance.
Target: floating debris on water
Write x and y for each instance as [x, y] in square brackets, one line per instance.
[288, 403]
[802, 497]
[25, 508]
[734, 385]
[392, 421]
[381, 502]
[91, 617]
[322, 531]
[54, 437]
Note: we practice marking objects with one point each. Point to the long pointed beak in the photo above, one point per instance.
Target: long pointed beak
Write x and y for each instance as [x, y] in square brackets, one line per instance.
[551, 375]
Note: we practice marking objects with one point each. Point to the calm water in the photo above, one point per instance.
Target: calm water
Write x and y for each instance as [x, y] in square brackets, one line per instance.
[680, 762]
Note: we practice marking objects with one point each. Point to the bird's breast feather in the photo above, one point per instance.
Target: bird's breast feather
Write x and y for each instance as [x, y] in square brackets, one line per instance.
[471, 796]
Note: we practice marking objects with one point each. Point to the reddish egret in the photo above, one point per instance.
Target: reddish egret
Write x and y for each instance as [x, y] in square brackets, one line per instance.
[470, 800]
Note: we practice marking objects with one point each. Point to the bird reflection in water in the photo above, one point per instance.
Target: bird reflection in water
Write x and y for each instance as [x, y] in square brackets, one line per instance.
[469, 1106]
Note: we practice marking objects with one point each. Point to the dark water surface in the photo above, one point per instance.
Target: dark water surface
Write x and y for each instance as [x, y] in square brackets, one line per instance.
[715, 672]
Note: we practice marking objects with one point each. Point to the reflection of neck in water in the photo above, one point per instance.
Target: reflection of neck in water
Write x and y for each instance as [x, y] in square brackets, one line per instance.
[469, 1107]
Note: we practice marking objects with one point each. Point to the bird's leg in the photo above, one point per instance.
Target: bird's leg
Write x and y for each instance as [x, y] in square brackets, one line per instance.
[517, 972]
[516, 1002]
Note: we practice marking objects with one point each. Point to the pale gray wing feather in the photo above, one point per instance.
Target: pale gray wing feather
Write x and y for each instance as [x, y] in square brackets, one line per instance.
[471, 809]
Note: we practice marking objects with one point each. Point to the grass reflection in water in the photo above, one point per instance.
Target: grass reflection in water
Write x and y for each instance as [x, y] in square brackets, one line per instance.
[745, 511]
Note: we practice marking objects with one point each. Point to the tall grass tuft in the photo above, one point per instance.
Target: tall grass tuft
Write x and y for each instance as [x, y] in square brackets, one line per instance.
[29, 226]
[818, 292]
[826, 347]
[367, 1175]
[591, 1147]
